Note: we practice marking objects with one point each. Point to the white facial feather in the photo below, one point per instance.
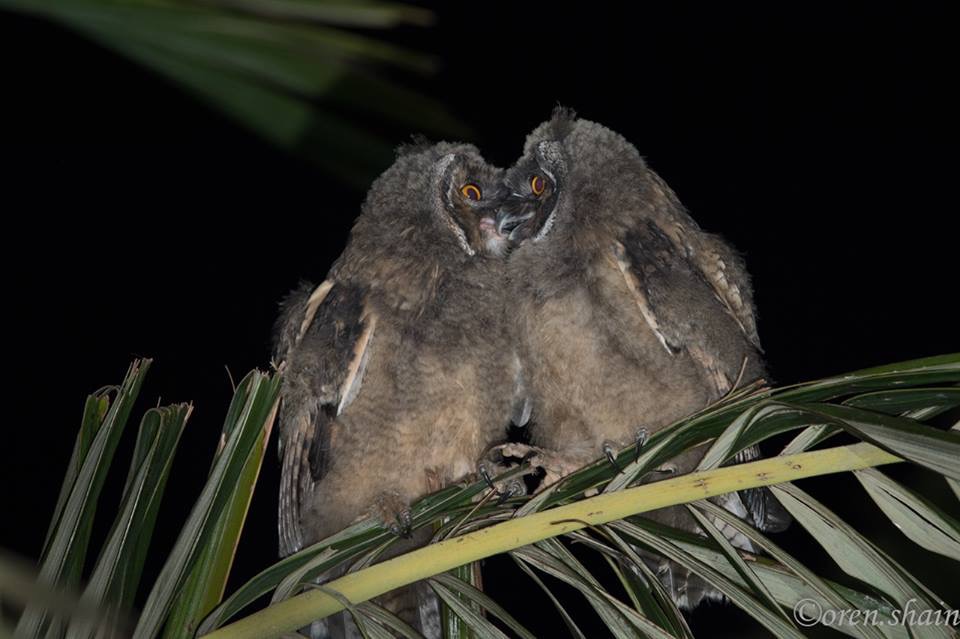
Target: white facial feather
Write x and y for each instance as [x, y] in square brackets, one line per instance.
[441, 205]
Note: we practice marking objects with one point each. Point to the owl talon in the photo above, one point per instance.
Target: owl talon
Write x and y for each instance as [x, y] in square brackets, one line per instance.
[394, 514]
[642, 435]
[514, 489]
[484, 471]
[609, 453]
[404, 525]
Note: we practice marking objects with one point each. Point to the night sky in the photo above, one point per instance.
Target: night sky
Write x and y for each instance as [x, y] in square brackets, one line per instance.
[140, 222]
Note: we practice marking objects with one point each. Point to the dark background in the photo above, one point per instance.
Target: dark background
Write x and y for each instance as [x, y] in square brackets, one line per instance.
[139, 222]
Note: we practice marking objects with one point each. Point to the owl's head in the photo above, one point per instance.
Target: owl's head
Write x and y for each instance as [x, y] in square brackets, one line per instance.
[440, 198]
[469, 193]
[574, 175]
[537, 183]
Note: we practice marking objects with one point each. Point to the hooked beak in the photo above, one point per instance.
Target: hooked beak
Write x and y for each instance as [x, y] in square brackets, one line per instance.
[512, 216]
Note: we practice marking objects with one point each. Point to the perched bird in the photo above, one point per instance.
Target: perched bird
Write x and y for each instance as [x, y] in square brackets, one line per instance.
[628, 316]
[397, 374]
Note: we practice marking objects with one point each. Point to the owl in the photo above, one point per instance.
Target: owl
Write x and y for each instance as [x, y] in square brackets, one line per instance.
[627, 316]
[397, 374]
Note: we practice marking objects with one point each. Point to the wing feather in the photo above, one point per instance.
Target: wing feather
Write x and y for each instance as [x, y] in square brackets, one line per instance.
[358, 365]
[725, 272]
[323, 343]
[623, 264]
[714, 259]
[678, 303]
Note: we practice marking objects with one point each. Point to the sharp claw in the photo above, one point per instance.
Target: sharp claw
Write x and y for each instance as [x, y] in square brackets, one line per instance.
[404, 526]
[642, 435]
[484, 473]
[611, 457]
[514, 488]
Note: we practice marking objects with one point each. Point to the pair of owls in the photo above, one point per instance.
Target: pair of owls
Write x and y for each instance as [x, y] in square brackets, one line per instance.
[572, 289]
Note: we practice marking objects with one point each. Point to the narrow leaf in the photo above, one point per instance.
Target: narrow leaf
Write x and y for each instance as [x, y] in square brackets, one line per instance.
[67, 549]
[953, 483]
[661, 606]
[923, 445]
[476, 622]
[733, 556]
[917, 518]
[573, 574]
[261, 398]
[480, 599]
[205, 586]
[94, 411]
[733, 591]
[116, 575]
[917, 403]
[826, 594]
[567, 619]
[854, 554]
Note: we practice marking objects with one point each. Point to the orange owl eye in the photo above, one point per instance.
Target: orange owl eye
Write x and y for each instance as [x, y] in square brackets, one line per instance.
[471, 192]
[537, 184]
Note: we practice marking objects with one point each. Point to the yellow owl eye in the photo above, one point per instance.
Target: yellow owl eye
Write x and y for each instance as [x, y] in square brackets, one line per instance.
[471, 192]
[537, 184]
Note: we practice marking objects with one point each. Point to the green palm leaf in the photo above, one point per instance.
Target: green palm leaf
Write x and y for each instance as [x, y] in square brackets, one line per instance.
[66, 551]
[116, 575]
[289, 70]
[885, 406]
[894, 409]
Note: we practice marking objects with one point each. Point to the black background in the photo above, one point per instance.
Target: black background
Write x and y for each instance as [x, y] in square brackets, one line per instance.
[139, 222]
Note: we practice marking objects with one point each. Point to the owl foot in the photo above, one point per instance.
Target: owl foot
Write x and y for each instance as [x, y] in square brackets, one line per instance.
[554, 465]
[394, 514]
[403, 526]
[610, 452]
[512, 488]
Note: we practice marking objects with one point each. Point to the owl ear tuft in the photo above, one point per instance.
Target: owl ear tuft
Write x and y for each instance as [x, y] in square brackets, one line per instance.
[418, 144]
[562, 121]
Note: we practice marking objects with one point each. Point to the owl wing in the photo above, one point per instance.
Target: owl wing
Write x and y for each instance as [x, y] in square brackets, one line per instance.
[724, 270]
[323, 342]
[671, 287]
[677, 301]
[718, 264]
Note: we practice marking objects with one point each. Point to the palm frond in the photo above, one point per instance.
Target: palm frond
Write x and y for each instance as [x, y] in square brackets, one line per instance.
[891, 409]
[291, 71]
[195, 573]
[66, 550]
[895, 411]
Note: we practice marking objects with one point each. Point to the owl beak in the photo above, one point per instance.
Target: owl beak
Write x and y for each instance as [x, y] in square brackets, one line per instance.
[509, 219]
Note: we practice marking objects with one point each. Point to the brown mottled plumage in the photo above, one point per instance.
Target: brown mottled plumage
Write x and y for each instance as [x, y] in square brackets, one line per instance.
[628, 315]
[397, 371]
